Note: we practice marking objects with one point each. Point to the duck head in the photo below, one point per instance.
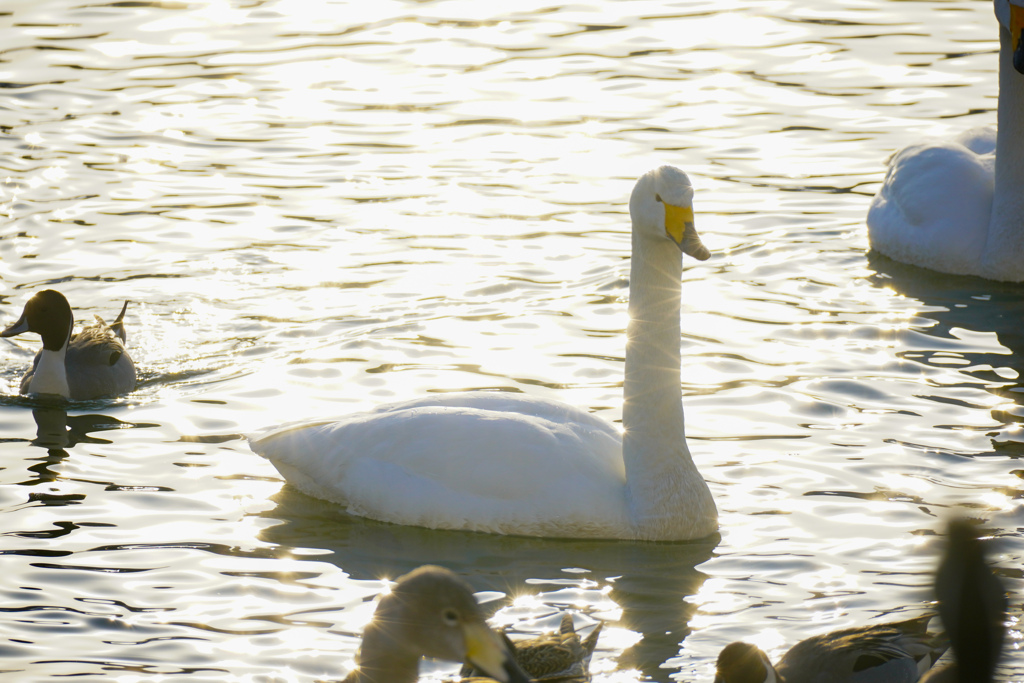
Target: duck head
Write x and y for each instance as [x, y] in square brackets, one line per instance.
[442, 619]
[48, 314]
[744, 663]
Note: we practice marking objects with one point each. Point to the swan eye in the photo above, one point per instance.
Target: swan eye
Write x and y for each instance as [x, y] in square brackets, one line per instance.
[451, 617]
[657, 198]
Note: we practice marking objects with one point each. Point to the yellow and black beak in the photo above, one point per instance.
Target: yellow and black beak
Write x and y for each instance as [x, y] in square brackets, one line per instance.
[679, 226]
[486, 653]
[1016, 35]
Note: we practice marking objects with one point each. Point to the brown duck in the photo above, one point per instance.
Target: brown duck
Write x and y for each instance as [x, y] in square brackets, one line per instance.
[553, 657]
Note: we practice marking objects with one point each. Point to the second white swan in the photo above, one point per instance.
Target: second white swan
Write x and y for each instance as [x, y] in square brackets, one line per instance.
[957, 206]
[511, 464]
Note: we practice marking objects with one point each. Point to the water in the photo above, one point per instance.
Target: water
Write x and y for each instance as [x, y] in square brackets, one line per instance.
[317, 207]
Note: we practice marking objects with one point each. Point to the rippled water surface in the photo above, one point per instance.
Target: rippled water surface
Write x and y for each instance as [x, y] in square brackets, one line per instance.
[315, 207]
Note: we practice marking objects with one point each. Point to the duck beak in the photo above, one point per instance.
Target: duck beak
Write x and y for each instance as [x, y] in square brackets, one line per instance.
[1016, 28]
[679, 226]
[17, 328]
[486, 653]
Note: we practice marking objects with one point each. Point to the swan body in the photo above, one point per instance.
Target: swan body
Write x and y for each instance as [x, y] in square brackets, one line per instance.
[513, 464]
[480, 461]
[956, 206]
[884, 653]
[430, 612]
[87, 365]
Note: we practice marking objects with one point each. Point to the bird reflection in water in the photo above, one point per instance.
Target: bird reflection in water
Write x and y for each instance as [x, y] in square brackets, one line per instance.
[57, 432]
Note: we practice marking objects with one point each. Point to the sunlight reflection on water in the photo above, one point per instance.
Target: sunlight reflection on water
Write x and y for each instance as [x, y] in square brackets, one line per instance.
[316, 207]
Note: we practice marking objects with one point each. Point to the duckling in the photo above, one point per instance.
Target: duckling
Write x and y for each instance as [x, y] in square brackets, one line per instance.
[553, 657]
[898, 652]
[430, 612]
[90, 364]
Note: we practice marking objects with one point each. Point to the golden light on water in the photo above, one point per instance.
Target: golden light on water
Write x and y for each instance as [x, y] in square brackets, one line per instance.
[1001, 502]
[769, 640]
[319, 207]
[905, 483]
[202, 14]
[358, 617]
[527, 601]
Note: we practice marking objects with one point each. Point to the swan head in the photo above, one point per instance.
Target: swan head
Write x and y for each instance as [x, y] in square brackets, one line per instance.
[48, 314]
[661, 208]
[1010, 14]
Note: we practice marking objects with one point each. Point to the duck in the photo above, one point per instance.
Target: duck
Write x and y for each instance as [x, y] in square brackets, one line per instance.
[560, 657]
[955, 206]
[510, 463]
[897, 652]
[91, 364]
[972, 604]
[430, 612]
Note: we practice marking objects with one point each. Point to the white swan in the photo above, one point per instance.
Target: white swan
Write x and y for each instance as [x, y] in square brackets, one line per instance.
[511, 464]
[90, 364]
[958, 206]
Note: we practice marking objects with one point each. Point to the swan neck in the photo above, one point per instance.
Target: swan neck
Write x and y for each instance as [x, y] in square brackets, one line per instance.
[663, 486]
[1004, 248]
[667, 497]
[653, 409]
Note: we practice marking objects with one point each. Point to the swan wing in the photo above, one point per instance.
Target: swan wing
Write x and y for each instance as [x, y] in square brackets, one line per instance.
[501, 463]
[934, 206]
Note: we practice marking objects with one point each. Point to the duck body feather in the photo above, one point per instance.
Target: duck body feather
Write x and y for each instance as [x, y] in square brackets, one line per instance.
[886, 653]
[560, 657]
[897, 652]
